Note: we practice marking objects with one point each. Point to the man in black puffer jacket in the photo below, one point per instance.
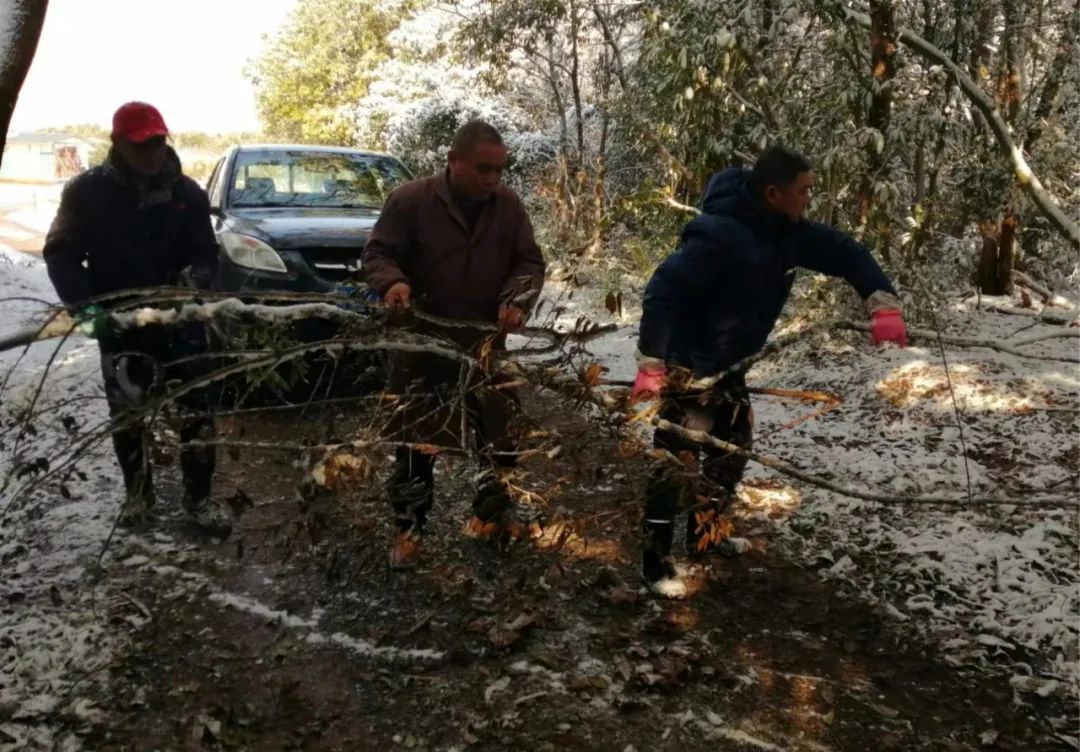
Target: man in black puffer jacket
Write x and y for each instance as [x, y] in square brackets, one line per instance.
[714, 302]
[134, 222]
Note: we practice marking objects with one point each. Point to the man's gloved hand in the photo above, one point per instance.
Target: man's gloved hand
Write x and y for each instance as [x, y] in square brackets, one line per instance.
[511, 317]
[650, 380]
[91, 320]
[398, 295]
[888, 326]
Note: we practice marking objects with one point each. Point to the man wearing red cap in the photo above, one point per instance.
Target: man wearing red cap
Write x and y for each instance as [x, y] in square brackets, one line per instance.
[134, 222]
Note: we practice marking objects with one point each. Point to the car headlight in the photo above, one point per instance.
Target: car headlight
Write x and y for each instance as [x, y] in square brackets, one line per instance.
[251, 253]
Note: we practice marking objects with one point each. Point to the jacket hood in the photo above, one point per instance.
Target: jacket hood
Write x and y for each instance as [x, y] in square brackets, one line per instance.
[726, 192]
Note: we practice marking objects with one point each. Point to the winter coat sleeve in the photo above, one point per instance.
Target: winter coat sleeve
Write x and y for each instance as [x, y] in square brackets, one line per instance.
[699, 268]
[64, 249]
[829, 251]
[384, 259]
[527, 267]
[202, 246]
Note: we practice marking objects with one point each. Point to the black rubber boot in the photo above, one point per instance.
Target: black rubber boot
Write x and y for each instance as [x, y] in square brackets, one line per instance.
[411, 489]
[657, 569]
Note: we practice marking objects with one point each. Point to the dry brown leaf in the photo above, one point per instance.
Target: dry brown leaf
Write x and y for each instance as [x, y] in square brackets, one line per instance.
[429, 449]
[593, 373]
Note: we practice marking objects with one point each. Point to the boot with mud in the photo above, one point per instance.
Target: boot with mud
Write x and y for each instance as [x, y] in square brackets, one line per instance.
[406, 550]
[210, 515]
[136, 509]
[493, 511]
[658, 571]
[138, 478]
[411, 489]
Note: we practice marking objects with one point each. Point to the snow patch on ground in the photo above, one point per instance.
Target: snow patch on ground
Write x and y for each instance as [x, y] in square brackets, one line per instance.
[54, 622]
[37, 218]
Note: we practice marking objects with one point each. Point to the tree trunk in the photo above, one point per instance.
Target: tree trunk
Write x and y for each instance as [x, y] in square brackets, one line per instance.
[882, 70]
[998, 251]
[997, 259]
[22, 19]
[575, 80]
[979, 58]
[1049, 103]
[1054, 73]
[1009, 83]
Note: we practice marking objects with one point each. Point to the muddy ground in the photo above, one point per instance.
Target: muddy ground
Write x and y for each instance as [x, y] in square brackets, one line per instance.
[294, 634]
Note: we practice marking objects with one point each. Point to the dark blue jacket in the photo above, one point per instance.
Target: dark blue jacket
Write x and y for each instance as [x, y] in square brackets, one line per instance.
[715, 300]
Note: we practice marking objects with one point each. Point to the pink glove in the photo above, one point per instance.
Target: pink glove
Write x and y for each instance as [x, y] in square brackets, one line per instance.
[649, 382]
[888, 326]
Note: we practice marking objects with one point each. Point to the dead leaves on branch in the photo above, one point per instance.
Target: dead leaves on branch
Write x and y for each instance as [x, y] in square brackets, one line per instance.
[346, 470]
[711, 527]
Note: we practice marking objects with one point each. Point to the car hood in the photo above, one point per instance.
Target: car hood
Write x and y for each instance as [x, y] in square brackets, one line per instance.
[296, 227]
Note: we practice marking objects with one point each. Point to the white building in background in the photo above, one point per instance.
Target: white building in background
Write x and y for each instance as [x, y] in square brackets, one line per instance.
[43, 156]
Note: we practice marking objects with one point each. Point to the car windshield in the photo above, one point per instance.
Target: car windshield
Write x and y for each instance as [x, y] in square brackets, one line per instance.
[313, 179]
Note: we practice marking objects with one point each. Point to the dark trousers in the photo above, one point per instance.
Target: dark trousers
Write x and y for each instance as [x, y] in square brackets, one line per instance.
[433, 400]
[136, 365]
[723, 411]
[412, 482]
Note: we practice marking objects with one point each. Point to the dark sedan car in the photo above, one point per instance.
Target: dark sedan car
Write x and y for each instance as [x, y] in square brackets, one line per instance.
[296, 217]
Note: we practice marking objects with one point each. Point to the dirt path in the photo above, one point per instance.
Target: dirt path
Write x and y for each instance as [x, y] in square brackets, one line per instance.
[271, 642]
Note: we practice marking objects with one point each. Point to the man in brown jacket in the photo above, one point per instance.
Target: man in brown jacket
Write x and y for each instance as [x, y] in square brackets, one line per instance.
[458, 245]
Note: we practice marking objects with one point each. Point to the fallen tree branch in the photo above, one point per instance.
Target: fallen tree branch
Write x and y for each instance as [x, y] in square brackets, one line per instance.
[701, 437]
[989, 344]
[612, 407]
[1042, 316]
[234, 307]
[1072, 333]
[1048, 295]
[357, 445]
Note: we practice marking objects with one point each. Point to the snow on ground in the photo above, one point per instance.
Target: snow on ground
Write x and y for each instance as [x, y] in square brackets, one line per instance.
[31, 206]
[22, 195]
[53, 632]
[994, 585]
[37, 218]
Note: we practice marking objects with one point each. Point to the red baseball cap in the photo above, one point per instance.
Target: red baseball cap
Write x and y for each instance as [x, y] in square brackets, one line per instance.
[138, 121]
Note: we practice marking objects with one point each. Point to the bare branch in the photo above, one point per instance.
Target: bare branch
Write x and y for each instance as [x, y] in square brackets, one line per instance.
[989, 344]
[700, 437]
